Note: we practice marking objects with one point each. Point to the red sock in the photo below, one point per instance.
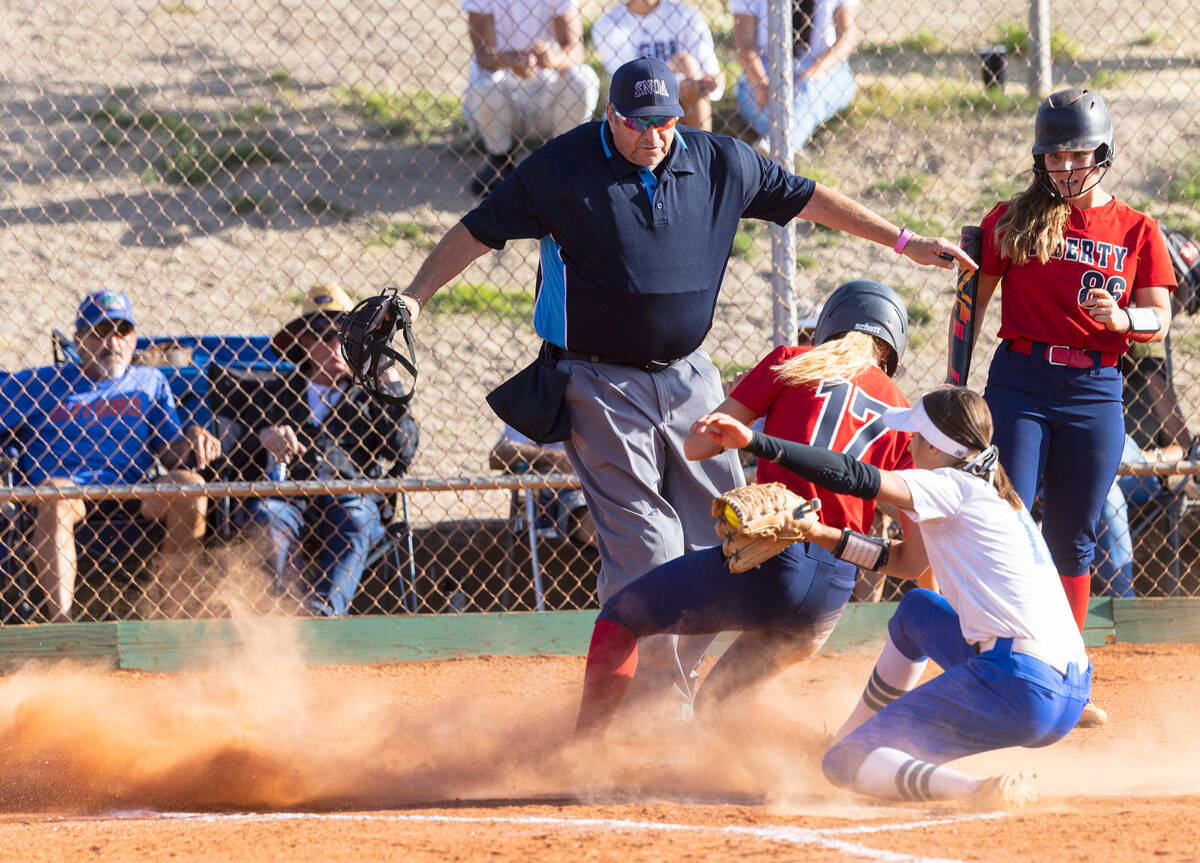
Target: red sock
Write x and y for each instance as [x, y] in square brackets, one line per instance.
[611, 662]
[1078, 589]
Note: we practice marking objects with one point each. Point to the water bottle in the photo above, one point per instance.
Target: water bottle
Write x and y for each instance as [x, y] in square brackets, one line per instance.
[276, 469]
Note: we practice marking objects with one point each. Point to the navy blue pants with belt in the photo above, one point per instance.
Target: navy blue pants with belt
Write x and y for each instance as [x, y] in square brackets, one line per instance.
[1066, 427]
[785, 608]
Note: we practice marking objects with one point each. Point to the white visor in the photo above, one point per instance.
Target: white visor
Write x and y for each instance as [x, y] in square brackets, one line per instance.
[915, 419]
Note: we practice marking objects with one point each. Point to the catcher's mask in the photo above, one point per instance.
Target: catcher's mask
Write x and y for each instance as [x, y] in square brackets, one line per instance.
[867, 307]
[367, 331]
[1072, 120]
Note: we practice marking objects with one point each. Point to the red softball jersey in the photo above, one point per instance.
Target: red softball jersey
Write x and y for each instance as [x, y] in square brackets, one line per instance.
[1112, 247]
[841, 415]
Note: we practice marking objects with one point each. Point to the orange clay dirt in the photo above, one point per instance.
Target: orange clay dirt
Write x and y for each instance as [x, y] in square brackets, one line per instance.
[264, 759]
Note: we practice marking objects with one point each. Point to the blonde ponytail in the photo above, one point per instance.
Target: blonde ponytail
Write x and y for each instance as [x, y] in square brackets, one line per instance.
[843, 356]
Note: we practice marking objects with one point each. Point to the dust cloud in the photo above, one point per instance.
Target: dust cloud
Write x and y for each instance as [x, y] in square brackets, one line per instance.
[261, 730]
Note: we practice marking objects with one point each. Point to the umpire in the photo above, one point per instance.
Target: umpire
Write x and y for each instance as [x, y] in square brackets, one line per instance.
[636, 218]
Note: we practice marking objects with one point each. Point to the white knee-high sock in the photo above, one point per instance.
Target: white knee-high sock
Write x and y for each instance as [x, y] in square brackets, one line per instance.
[894, 675]
[896, 775]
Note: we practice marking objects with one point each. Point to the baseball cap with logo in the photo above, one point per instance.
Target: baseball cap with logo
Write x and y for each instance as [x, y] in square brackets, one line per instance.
[100, 306]
[645, 87]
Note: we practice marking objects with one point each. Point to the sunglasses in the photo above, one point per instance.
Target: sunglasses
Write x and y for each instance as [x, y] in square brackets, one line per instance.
[104, 329]
[645, 124]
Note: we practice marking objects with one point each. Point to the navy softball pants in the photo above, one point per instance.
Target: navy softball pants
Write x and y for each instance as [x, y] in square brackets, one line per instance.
[1065, 427]
[784, 609]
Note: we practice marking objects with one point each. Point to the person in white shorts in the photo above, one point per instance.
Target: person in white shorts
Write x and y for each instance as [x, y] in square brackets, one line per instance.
[1014, 670]
[674, 33]
[527, 78]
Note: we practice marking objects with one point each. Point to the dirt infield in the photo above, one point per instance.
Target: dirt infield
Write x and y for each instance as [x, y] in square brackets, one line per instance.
[469, 759]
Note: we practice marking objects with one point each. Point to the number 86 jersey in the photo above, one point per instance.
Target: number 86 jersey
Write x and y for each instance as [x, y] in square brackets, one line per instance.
[837, 414]
[1112, 247]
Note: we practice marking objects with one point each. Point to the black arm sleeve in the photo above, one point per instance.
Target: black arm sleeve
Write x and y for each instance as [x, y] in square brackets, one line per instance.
[832, 470]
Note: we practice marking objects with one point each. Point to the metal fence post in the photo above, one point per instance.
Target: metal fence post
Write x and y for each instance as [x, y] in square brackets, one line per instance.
[783, 238]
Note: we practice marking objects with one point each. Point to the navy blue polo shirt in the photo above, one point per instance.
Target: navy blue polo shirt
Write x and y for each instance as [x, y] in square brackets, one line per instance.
[631, 263]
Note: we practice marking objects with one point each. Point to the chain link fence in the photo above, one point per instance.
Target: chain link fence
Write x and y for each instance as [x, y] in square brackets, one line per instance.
[215, 160]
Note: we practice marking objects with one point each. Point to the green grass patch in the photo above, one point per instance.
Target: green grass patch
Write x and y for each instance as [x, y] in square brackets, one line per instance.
[484, 298]
[1014, 36]
[386, 234]
[1184, 185]
[251, 114]
[251, 202]
[935, 101]
[743, 246]
[1150, 37]
[201, 161]
[910, 185]
[169, 123]
[806, 262]
[113, 114]
[1105, 78]
[1189, 343]
[922, 224]
[417, 115]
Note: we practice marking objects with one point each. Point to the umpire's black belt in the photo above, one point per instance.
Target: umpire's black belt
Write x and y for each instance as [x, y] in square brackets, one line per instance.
[558, 353]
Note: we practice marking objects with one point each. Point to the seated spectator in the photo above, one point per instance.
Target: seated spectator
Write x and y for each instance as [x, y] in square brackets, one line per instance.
[104, 422]
[321, 427]
[527, 77]
[560, 512]
[1114, 539]
[823, 38]
[674, 33]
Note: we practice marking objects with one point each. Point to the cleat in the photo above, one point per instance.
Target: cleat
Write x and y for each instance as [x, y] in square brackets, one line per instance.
[1092, 717]
[1011, 790]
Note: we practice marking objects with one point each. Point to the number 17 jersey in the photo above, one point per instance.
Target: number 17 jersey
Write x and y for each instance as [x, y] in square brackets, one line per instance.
[837, 414]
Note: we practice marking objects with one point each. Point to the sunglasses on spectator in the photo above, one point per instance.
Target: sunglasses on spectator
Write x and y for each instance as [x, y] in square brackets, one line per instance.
[104, 329]
[645, 124]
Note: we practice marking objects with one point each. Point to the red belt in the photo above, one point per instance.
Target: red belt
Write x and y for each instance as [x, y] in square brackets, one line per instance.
[1062, 355]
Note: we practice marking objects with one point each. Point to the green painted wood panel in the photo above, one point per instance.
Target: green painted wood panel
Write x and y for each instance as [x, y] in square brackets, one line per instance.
[84, 642]
[1157, 621]
[176, 645]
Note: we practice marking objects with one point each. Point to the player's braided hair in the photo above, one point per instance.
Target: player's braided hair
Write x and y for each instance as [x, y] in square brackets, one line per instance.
[842, 356]
[963, 415]
[1032, 226]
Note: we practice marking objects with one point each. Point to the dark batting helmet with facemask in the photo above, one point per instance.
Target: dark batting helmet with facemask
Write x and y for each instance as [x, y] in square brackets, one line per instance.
[1072, 120]
[864, 306]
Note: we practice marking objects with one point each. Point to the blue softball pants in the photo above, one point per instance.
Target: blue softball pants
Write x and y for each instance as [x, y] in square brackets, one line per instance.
[980, 702]
[1065, 427]
[784, 609]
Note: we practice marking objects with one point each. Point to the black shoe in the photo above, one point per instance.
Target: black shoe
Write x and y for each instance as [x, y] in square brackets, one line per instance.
[494, 170]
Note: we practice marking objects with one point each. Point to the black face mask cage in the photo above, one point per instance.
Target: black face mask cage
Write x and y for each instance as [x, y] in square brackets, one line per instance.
[367, 332]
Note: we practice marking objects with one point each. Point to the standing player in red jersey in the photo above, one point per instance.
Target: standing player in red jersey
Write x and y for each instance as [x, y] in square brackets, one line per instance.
[832, 395]
[1082, 275]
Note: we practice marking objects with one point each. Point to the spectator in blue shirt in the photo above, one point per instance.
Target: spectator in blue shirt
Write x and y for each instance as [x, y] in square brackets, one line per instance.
[103, 422]
[636, 218]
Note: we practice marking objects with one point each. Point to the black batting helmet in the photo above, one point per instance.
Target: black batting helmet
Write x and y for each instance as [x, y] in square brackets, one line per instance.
[1072, 120]
[865, 306]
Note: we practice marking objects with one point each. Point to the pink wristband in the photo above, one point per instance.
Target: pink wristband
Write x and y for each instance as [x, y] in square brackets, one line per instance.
[902, 240]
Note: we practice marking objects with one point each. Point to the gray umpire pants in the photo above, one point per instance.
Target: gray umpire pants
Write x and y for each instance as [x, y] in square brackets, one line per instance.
[649, 502]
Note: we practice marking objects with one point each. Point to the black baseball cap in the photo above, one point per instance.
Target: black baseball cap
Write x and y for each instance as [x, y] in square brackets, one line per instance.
[645, 87]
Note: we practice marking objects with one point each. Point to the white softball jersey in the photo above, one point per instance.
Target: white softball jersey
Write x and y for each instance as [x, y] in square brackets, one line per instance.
[992, 564]
[824, 34]
[621, 35]
[520, 23]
